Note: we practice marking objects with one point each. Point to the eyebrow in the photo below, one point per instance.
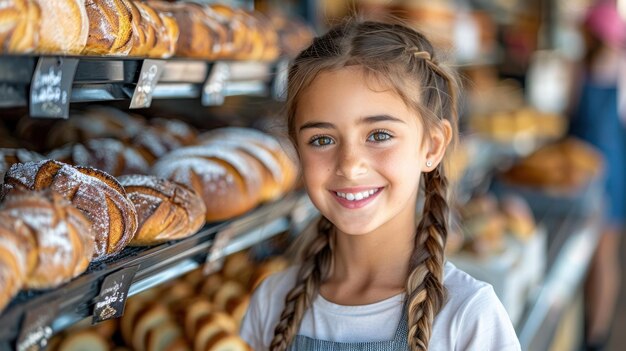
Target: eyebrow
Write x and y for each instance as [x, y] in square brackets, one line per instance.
[364, 120]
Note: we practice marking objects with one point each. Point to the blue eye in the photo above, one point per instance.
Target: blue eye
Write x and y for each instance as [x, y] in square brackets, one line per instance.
[321, 140]
[379, 136]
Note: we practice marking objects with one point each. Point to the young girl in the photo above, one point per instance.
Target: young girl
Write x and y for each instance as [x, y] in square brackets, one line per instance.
[371, 112]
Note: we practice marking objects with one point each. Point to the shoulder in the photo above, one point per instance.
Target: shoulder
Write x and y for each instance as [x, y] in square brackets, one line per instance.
[474, 315]
[266, 305]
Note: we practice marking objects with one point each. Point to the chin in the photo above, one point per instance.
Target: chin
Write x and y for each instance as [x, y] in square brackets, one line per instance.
[354, 228]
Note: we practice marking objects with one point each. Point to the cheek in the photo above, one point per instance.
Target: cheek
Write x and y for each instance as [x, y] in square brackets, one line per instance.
[315, 167]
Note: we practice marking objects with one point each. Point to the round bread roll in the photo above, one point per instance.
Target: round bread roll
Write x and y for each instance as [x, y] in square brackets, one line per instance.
[84, 340]
[211, 285]
[64, 242]
[150, 316]
[228, 290]
[144, 30]
[179, 130]
[238, 267]
[224, 341]
[179, 344]
[227, 179]
[161, 337]
[209, 326]
[261, 140]
[166, 210]
[19, 26]
[239, 34]
[161, 47]
[195, 309]
[108, 155]
[110, 28]
[173, 293]
[64, 26]
[237, 307]
[98, 195]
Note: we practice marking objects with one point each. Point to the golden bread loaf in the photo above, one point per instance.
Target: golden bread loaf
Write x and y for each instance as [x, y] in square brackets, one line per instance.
[150, 316]
[110, 28]
[227, 179]
[209, 326]
[196, 39]
[108, 155]
[162, 336]
[63, 237]
[98, 195]
[225, 341]
[166, 210]
[19, 26]
[84, 340]
[64, 27]
[261, 140]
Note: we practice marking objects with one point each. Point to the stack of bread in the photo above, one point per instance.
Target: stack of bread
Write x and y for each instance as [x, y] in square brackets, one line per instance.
[155, 28]
[195, 312]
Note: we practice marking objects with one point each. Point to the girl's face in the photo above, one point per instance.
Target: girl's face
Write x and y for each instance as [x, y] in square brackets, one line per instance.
[362, 151]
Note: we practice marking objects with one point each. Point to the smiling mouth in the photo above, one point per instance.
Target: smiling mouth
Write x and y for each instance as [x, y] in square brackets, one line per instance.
[357, 196]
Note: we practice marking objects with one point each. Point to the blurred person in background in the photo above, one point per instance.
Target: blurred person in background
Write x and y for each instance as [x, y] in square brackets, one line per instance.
[596, 119]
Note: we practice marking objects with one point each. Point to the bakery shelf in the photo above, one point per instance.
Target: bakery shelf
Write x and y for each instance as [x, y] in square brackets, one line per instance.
[562, 282]
[64, 306]
[116, 78]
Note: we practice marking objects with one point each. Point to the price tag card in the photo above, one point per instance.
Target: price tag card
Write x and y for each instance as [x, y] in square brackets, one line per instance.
[149, 76]
[51, 87]
[213, 90]
[113, 294]
[279, 84]
[215, 258]
[36, 328]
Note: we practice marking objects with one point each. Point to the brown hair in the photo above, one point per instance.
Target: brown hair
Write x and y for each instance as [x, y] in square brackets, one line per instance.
[404, 60]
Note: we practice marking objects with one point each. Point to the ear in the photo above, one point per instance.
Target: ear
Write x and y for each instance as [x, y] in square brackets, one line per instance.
[438, 142]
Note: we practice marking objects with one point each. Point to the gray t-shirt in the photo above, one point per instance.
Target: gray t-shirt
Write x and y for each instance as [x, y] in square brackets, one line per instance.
[472, 318]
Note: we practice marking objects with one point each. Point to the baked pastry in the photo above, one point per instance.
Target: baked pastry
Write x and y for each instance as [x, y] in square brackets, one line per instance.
[211, 285]
[71, 36]
[162, 336]
[180, 344]
[19, 26]
[261, 140]
[196, 39]
[228, 180]
[62, 236]
[225, 341]
[84, 340]
[179, 130]
[195, 309]
[172, 31]
[18, 256]
[175, 292]
[164, 44]
[238, 267]
[110, 29]
[239, 43]
[150, 316]
[8, 157]
[267, 268]
[144, 30]
[209, 326]
[228, 290]
[166, 210]
[237, 307]
[153, 144]
[98, 195]
[108, 155]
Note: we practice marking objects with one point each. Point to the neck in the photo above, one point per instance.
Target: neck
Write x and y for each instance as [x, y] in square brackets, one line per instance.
[371, 267]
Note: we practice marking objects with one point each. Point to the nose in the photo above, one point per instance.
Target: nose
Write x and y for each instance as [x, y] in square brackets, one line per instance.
[351, 162]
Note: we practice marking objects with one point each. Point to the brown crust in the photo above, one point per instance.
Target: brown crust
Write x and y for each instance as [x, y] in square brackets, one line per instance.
[166, 210]
[109, 27]
[71, 37]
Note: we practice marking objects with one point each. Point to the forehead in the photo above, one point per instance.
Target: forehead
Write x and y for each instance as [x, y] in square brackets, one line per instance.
[348, 93]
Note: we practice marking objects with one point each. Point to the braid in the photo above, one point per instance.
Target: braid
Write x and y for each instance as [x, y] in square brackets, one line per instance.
[314, 270]
[425, 290]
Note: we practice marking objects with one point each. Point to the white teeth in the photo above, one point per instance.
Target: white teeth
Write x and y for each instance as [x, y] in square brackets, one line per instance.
[357, 196]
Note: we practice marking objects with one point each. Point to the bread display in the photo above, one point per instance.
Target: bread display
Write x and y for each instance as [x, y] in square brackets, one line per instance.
[19, 26]
[71, 36]
[165, 210]
[108, 155]
[54, 238]
[18, 256]
[565, 166]
[227, 179]
[98, 195]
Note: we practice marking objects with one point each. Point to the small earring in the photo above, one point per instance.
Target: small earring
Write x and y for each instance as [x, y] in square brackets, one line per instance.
[429, 163]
